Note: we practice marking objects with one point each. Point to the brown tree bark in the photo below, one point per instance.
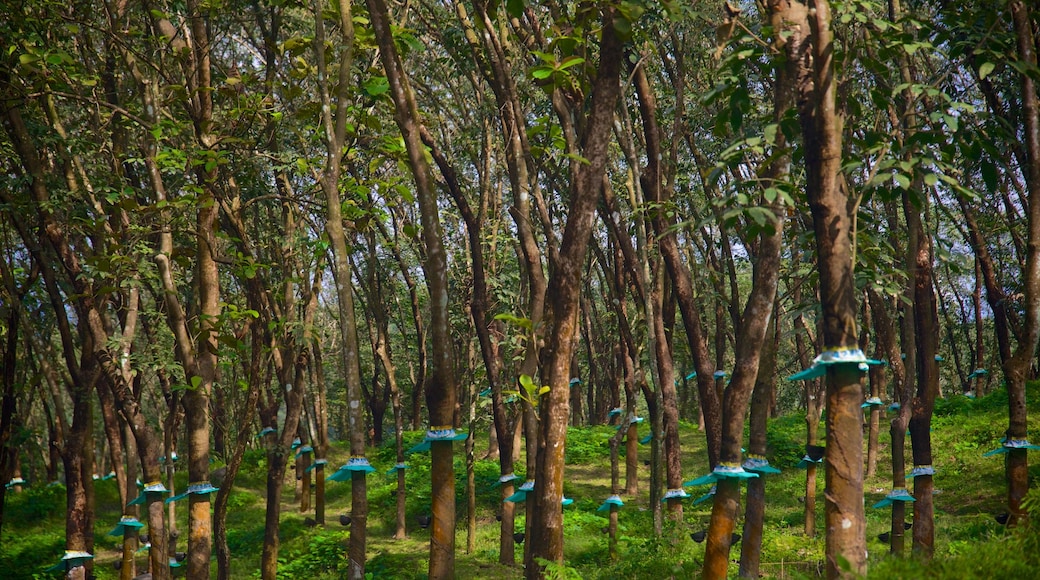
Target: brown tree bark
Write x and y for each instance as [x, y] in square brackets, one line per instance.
[755, 504]
[545, 529]
[441, 390]
[822, 131]
[1017, 367]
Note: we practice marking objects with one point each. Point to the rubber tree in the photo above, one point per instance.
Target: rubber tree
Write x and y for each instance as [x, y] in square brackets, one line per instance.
[828, 201]
[441, 388]
[1017, 367]
[545, 528]
[335, 107]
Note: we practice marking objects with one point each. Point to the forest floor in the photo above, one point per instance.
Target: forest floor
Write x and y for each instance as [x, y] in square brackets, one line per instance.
[969, 492]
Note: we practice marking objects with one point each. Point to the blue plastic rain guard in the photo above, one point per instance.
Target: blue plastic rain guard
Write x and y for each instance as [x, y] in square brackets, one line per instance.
[612, 500]
[575, 381]
[897, 494]
[1010, 444]
[14, 481]
[921, 470]
[124, 523]
[304, 449]
[758, 464]
[265, 431]
[566, 501]
[110, 475]
[674, 494]
[840, 356]
[316, 463]
[614, 412]
[155, 487]
[397, 467]
[895, 406]
[719, 374]
[646, 439]
[296, 443]
[722, 471]
[872, 402]
[436, 434]
[71, 559]
[705, 497]
[200, 488]
[485, 393]
[692, 375]
[505, 478]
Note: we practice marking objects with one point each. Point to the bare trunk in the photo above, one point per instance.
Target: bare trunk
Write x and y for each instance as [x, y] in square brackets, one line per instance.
[822, 130]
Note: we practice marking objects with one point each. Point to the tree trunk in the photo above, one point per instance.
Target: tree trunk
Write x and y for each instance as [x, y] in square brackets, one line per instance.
[545, 530]
[755, 508]
[822, 131]
[441, 390]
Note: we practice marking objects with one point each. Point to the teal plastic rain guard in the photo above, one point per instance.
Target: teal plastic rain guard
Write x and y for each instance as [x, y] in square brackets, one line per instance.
[314, 465]
[705, 497]
[15, 481]
[719, 374]
[612, 500]
[1008, 444]
[839, 356]
[397, 467]
[872, 402]
[504, 479]
[355, 463]
[265, 431]
[614, 412]
[198, 488]
[679, 493]
[921, 470]
[296, 443]
[485, 393]
[632, 420]
[71, 559]
[691, 375]
[722, 471]
[304, 449]
[758, 464]
[977, 373]
[897, 494]
[154, 487]
[436, 434]
[521, 492]
[646, 439]
[124, 523]
[575, 381]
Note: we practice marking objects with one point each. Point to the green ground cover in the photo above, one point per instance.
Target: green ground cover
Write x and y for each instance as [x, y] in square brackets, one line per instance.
[969, 542]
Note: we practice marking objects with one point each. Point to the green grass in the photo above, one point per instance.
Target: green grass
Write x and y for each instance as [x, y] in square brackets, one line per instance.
[969, 543]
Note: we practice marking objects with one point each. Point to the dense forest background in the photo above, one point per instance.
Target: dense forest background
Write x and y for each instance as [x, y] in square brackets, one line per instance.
[313, 229]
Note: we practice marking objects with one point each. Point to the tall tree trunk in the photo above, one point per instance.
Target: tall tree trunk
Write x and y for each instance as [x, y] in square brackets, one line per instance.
[822, 131]
[1017, 367]
[441, 390]
[545, 529]
[755, 508]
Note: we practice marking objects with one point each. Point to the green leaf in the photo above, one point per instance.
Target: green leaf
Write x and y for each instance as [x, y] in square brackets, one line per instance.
[902, 180]
[376, 86]
[986, 68]
[542, 72]
[196, 382]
